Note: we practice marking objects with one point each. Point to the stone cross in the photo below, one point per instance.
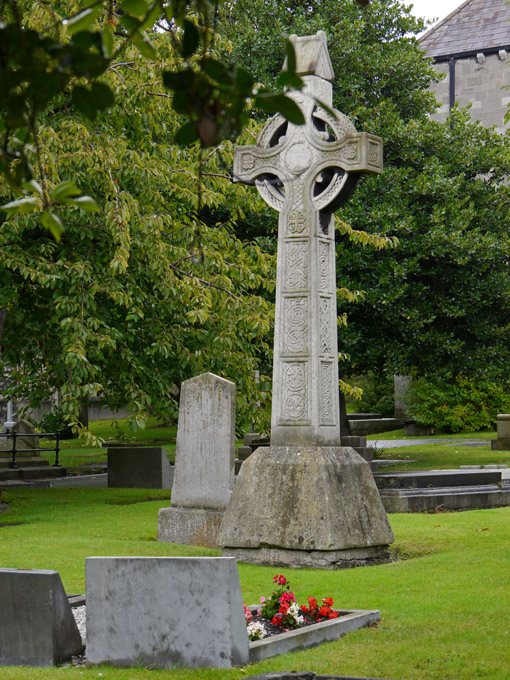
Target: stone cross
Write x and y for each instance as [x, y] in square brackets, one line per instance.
[306, 172]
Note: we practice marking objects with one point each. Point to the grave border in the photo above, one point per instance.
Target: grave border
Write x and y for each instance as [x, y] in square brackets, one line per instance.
[311, 636]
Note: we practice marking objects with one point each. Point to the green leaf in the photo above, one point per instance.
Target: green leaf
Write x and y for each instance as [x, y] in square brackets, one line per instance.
[107, 41]
[32, 185]
[21, 206]
[81, 100]
[86, 203]
[64, 190]
[130, 23]
[145, 46]
[52, 223]
[190, 39]
[291, 58]
[280, 103]
[102, 96]
[186, 134]
[137, 8]
[215, 69]
[83, 20]
[89, 102]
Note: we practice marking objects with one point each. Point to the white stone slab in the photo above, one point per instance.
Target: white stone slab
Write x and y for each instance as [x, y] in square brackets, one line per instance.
[164, 612]
[204, 458]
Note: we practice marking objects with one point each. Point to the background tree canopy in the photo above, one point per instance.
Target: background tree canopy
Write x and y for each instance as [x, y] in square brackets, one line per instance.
[167, 271]
[151, 288]
[438, 305]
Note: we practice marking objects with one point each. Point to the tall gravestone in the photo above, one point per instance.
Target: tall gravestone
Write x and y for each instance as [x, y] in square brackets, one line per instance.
[305, 500]
[204, 462]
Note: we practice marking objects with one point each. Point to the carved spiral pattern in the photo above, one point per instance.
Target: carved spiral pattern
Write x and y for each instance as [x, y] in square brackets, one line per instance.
[295, 403]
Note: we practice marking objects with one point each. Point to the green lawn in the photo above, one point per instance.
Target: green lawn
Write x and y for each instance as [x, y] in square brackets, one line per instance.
[444, 602]
[79, 458]
[442, 457]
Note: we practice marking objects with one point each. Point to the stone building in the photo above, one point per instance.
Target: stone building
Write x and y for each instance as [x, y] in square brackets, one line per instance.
[471, 46]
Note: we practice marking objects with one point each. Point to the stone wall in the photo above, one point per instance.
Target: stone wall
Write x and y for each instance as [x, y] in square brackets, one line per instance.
[480, 81]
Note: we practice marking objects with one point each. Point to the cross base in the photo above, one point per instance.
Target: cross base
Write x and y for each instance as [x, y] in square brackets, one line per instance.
[313, 559]
[292, 505]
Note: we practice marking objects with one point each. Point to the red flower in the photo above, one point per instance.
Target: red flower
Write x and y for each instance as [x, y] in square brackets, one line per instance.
[282, 580]
[333, 615]
[276, 620]
[312, 601]
[324, 611]
[284, 608]
[328, 601]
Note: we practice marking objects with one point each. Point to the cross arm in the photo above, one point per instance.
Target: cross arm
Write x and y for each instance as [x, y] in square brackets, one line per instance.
[359, 152]
[252, 161]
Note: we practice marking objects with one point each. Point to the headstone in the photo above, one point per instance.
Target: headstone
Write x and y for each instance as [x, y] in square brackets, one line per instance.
[305, 499]
[139, 468]
[37, 627]
[204, 462]
[502, 443]
[401, 384]
[165, 611]
[21, 427]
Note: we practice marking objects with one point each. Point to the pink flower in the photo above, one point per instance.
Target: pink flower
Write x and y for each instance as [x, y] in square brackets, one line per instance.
[247, 614]
[262, 600]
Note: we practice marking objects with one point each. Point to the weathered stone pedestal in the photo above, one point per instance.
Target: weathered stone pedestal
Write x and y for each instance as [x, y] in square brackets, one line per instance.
[306, 507]
[502, 443]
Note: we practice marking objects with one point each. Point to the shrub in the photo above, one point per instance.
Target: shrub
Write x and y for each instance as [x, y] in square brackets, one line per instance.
[463, 404]
[53, 421]
[377, 394]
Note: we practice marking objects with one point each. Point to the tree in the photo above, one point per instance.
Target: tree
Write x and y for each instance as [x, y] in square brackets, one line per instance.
[149, 289]
[437, 304]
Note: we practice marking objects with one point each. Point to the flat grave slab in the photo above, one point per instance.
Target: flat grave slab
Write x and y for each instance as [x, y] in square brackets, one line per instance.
[477, 497]
[435, 478]
[142, 467]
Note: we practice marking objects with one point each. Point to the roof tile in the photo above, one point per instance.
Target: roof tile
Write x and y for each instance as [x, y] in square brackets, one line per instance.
[475, 25]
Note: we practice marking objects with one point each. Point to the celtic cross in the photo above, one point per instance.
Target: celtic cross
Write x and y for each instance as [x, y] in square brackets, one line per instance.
[306, 172]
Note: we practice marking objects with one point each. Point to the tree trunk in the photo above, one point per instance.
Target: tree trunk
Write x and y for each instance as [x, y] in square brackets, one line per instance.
[2, 317]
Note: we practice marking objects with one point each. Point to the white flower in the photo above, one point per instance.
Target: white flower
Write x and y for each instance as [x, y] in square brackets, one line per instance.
[256, 630]
[294, 612]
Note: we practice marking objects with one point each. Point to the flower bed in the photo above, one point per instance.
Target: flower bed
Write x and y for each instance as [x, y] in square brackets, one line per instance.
[279, 625]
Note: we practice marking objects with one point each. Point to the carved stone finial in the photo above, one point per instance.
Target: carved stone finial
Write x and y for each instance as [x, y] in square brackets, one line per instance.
[312, 56]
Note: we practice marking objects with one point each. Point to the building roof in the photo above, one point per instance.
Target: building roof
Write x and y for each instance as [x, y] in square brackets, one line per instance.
[476, 25]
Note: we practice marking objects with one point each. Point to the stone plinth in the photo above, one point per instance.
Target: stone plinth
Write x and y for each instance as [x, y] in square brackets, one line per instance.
[165, 611]
[37, 627]
[306, 507]
[139, 468]
[502, 443]
[191, 526]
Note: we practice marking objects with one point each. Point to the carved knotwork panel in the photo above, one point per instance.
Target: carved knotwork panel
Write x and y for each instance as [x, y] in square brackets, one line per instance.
[324, 267]
[295, 403]
[326, 401]
[296, 329]
[296, 276]
[325, 326]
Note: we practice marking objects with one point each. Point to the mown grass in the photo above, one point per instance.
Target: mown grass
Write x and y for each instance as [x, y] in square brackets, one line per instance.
[444, 603]
[79, 458]
[443, 457]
